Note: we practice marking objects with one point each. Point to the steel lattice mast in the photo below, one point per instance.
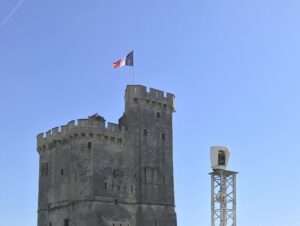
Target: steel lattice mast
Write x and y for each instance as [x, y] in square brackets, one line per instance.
[223, 198]
[223, 189]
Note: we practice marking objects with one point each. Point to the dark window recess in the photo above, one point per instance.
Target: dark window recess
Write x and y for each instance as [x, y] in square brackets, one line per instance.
[83, 134]
[50, 224]
[66, 222]
[221, 158]
[157, 114]
[119, 188]
[113, 224]
[163, 136]
[135, 100]
[116, 202]
[89, 145]
[62, 172]
[105, 186]
[145, 132]
[44, 169]
[155, 223]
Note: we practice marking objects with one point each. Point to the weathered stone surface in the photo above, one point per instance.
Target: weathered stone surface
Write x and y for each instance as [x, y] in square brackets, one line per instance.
[93, 174]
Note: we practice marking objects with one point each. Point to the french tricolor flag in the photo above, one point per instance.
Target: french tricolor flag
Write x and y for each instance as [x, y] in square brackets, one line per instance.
[125, 61]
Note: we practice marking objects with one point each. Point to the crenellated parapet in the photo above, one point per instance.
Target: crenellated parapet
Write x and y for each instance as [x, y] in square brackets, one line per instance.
[93, 127]
[152, 97]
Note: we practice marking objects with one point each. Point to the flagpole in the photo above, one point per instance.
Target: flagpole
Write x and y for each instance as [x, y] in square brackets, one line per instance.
[133, 75]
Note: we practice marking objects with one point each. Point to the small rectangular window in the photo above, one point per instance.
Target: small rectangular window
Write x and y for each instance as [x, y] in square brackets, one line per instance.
[89, 145]
[66, 222]
[145, 132]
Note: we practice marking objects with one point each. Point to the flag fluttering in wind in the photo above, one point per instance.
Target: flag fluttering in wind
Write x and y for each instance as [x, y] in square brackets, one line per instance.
[125, 61]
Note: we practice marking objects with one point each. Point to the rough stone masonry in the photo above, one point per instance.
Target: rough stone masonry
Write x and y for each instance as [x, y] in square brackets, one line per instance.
[94, 173]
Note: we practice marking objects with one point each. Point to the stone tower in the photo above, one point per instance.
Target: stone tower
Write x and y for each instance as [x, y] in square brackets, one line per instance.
[98, 174]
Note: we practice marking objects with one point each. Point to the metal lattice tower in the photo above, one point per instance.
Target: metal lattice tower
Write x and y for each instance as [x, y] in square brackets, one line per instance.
[223, 197]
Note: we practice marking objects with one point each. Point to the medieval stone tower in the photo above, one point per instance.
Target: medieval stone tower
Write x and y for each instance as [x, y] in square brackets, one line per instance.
[98, 174]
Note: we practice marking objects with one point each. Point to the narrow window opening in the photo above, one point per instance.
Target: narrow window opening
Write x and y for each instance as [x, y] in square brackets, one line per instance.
[145, 132]
[116, 202]
[50, 224]
[105, 186]
[89, 145]
[66, 222]
[83, 134]
[163, 136]
[135, 100]
[62, 172]
[157, 114]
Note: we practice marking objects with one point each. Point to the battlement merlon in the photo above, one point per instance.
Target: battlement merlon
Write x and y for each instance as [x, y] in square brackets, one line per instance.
[141, 92]
[94, 124]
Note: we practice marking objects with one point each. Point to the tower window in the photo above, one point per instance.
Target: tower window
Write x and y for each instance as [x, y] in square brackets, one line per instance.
[135, 100]
[145, 132]
[66, 222]
[163, 136]
[62, 172]
[116, 202]
[105, 186]
[50, 223]
[89, 145]
[157, 114]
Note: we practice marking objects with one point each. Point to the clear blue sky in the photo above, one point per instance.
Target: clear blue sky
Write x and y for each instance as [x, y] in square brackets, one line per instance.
[233, 65]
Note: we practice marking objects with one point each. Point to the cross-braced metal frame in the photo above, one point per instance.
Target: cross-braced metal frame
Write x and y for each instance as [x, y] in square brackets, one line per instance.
[223, 198]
